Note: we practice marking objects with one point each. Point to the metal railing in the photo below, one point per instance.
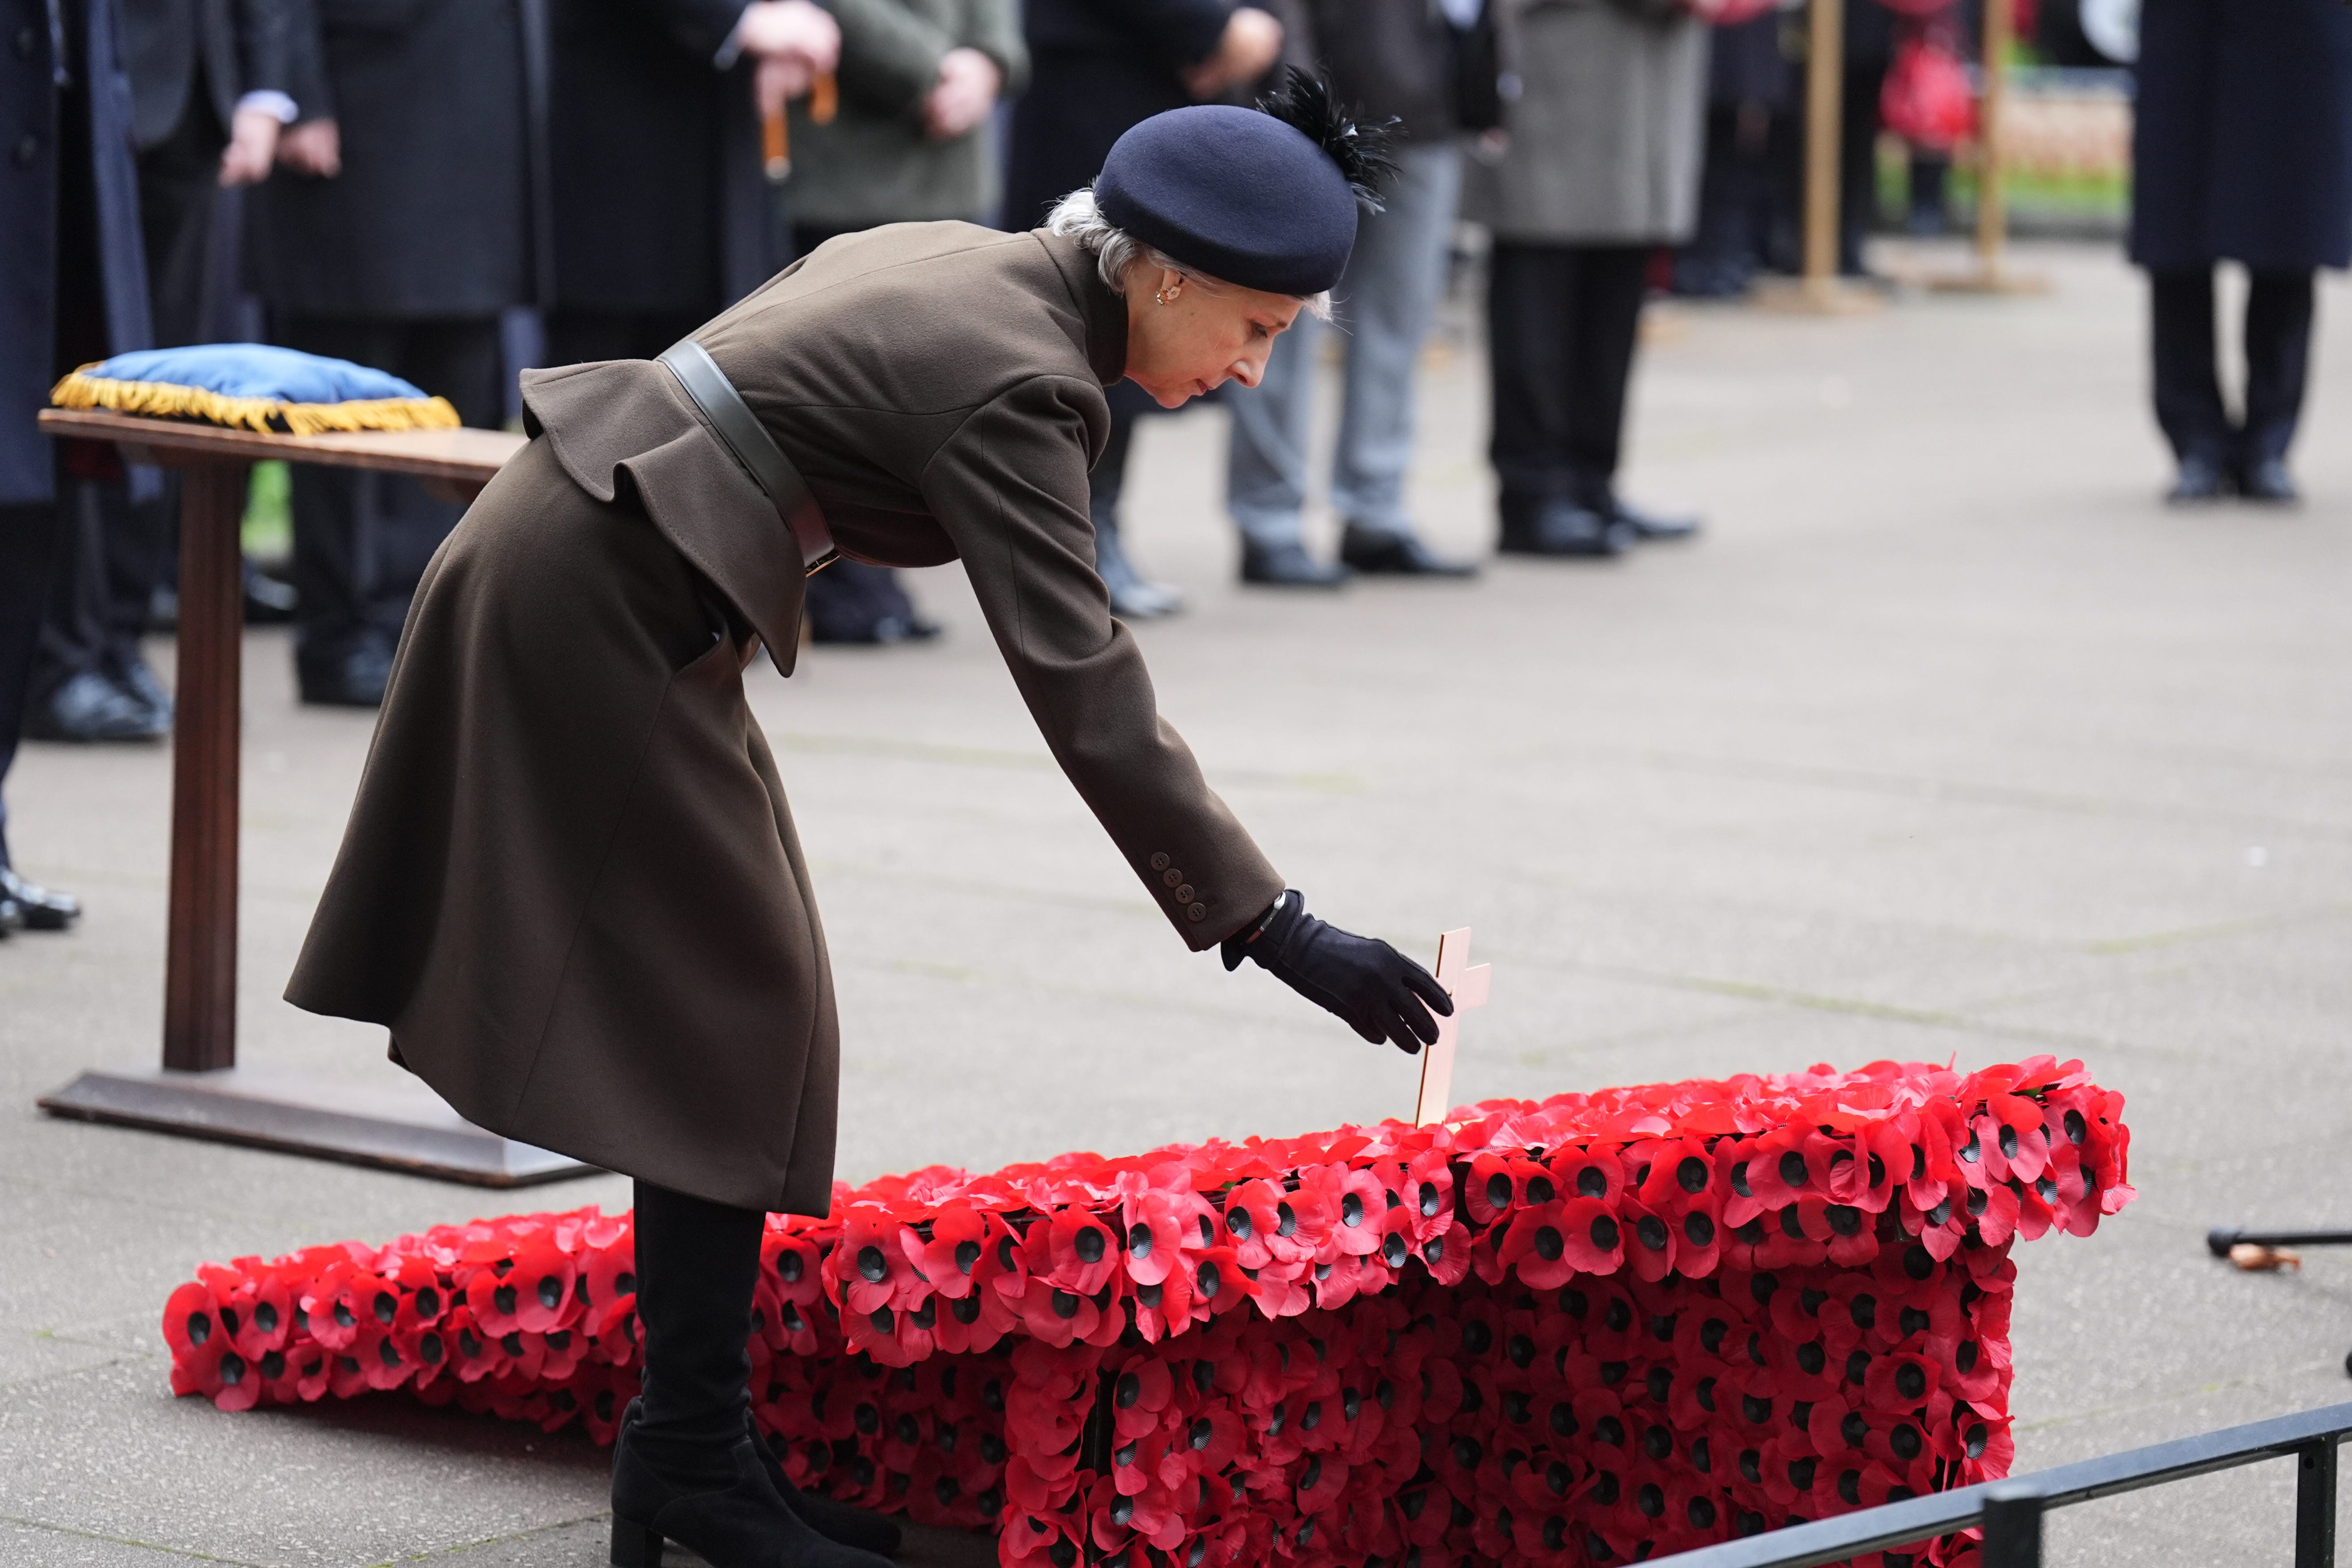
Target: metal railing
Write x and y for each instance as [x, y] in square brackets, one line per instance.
[2011, 1510]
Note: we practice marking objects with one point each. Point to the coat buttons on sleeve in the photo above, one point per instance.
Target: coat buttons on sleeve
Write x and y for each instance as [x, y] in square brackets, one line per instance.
[1184, 894]
[1172, 877]
[1197, 912]
[1160, 861]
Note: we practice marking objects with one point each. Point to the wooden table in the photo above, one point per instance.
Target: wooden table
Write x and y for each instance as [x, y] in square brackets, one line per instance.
[199, 1090]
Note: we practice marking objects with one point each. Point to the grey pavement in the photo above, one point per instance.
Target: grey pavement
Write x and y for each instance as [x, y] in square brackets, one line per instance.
[1947, 740]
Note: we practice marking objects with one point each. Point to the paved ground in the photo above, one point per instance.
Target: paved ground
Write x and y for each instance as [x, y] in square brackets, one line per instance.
[1946, 741]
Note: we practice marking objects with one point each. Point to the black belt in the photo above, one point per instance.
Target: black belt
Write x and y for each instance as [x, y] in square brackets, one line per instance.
[747, 442]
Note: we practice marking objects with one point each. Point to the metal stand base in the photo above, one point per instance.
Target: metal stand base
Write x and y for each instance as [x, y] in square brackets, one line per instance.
[399, 1128]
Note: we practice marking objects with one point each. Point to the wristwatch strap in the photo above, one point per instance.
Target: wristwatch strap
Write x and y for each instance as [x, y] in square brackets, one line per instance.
[747, 442]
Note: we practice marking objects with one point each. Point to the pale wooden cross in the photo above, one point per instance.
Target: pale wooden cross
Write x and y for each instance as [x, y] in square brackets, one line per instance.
[1467, 986]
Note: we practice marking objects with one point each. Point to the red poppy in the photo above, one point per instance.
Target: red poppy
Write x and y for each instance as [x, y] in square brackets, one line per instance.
[1082, 1252]
[1650, 1240]
[1154, 1224]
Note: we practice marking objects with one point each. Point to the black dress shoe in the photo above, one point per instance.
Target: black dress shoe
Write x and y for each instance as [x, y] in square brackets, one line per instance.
[2200, 479]
[1376, 553]
[146, 689]
[91, 708]
[1287, 566]
[37, 908]
[835, 1521]
[1558, 528]
[356, 679]
[1650, 525]
[267, 601]
[12, 917]
[2269, 482]
[742, 1525]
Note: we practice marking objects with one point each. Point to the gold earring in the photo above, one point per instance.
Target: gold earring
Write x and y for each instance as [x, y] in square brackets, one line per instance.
[1168, 295]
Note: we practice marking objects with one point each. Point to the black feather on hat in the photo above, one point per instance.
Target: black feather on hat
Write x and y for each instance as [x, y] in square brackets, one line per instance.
[1303, 103]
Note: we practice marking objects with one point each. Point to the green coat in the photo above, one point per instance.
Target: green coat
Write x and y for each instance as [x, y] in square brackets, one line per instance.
[874, 164]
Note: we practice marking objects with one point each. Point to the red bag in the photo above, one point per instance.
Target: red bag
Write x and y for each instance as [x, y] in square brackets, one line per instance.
[1927, 100]
[1728, 13]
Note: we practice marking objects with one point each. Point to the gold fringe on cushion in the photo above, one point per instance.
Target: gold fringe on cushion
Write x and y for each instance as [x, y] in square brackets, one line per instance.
[167, 400]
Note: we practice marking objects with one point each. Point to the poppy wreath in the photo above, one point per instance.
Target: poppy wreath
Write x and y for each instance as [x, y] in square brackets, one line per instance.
[1593, 1328]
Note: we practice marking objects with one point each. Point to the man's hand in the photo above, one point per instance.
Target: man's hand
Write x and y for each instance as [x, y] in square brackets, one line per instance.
[794, 43]
[1251, 43]
[252, 147]
[1377, 991]
[965, 92]
[313, 147]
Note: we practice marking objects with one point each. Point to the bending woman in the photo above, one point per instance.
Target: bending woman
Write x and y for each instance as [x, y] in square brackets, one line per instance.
[570, 887]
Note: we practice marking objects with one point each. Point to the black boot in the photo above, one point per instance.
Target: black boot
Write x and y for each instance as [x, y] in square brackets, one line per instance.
[836, 1520]
[742, 1525]
[686, 1468]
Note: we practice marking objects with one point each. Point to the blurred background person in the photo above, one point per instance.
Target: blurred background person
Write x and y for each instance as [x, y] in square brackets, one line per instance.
[1749, 88]
[208, 94]
[396, 230]
[909, 142]
[73, 288]
[1387, 60]
[659, 202]
[2242, 151]
[1598, 167]
[1097, 67]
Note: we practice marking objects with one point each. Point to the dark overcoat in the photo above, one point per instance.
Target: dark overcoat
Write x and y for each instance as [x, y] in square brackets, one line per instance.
[570, 886]
[431, 216]
[2242, 138]
[660, 205]
[230, 46]
[69, 206]
[1095, 67]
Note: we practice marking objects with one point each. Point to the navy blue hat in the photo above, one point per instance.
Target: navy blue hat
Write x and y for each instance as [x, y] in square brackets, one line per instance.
[1262, 198]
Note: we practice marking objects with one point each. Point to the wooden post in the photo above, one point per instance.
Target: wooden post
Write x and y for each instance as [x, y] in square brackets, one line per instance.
[1820, 290]
[1993, 204]
[1824, 110]
[1991, 275]
[200, 957]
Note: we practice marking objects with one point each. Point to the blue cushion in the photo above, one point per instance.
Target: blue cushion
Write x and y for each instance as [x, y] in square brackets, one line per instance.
[256, 369]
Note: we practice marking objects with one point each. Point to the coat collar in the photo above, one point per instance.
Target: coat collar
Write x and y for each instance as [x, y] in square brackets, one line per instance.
[1103, 312]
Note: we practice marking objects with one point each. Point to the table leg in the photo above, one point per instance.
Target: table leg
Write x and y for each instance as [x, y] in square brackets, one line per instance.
[200, 962]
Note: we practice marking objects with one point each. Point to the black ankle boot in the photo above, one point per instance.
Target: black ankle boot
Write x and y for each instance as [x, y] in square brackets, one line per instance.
[835, 1521]
[745, 1525]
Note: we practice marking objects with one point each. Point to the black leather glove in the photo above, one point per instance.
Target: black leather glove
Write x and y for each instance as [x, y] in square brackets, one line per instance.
[1379, 992]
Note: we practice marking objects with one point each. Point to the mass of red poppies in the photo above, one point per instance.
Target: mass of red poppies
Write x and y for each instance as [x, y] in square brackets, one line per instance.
[1593, 1328]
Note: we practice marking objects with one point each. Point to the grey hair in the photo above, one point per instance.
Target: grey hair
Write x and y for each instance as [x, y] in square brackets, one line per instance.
[1116, 251]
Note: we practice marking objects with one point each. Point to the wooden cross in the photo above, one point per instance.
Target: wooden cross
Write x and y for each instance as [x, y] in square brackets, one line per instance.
[1467, 986]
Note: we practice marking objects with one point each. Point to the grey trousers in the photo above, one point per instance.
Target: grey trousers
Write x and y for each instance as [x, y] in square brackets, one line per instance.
[1382, 306]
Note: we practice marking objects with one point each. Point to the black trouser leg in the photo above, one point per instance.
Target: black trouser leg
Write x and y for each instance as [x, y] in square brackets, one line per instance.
[1530, 346]
[2189, 406]
[1562, 324]
[179, 202]
[698, 1264]
[586, 337]
[1611, 280]
[28, 536]
[71, 638]
[2279, 309]
[361, 540]
[1858, 164]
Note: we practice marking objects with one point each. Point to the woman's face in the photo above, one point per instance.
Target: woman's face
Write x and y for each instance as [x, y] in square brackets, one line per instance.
[1185, 339]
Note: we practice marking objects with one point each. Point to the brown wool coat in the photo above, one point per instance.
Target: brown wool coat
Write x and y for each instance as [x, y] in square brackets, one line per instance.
[570, 886]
